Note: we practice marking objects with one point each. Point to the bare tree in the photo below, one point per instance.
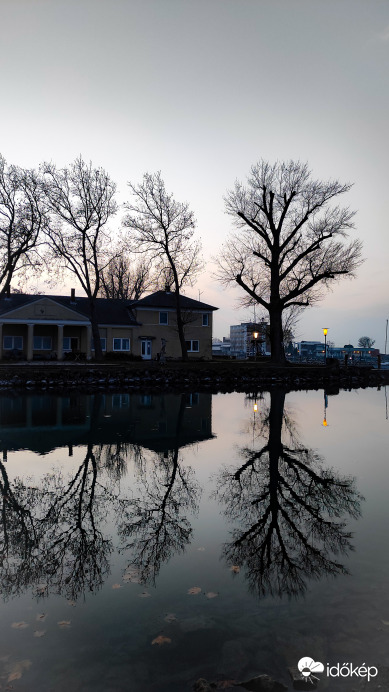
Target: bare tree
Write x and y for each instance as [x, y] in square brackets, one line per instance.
[366, 342]
[290, 244]
[81, 200]
[164, 228]
[22, 220]
[125, 279]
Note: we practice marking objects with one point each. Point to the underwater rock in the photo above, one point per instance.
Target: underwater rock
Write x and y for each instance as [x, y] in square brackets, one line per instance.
[263, 683]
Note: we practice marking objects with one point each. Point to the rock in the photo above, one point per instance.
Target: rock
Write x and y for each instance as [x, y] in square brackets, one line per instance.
[202, 685]
[263, 683]
[234, 658]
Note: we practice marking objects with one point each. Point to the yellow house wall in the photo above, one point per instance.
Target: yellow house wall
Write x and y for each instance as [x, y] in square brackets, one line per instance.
[156, 332]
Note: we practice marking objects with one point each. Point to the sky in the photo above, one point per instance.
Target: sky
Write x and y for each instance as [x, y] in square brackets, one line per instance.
[201, 90]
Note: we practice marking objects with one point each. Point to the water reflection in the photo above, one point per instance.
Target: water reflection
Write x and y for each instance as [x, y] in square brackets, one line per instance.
[51, 538]
[291, 510]
[155, 526]
[51, 531]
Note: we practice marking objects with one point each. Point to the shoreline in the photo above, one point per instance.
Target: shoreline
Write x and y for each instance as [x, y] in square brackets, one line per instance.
[211, 376]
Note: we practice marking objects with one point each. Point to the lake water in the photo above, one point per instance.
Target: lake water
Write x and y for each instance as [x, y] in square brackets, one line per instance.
[147, 541]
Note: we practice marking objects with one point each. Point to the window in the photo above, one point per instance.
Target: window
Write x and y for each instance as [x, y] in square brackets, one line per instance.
[42, 343]
[103, 342]
[163, 318]
[121, 344]
[70, 343]
[10, 342]
[192, 346]
[205, 319]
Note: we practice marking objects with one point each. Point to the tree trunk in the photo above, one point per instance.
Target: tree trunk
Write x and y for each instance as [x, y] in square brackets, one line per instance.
[95, 331]
[180, 327]
[276, 336]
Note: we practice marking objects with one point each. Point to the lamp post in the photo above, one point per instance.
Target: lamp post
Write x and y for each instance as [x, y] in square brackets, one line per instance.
[325, 331]
[256, 335]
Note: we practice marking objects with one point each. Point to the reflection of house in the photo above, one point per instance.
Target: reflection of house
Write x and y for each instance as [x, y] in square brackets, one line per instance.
[43, 422]
[47, 327]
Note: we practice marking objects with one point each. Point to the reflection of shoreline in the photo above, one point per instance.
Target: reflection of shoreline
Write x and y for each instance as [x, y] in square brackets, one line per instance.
[290, 511]
[43, 422]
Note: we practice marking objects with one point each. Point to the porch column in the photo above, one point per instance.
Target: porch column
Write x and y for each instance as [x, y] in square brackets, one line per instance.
[88, 342]
[30, 341]
[60, 342]
[1, 341]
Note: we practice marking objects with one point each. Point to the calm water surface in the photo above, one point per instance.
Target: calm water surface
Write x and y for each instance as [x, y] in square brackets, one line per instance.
[147, 541]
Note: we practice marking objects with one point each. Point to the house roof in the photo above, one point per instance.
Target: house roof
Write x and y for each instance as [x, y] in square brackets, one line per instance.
[167, 299]
[108, 310]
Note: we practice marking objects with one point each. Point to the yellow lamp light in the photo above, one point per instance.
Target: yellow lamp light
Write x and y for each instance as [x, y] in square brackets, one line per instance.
[255, 408]
[325, 331]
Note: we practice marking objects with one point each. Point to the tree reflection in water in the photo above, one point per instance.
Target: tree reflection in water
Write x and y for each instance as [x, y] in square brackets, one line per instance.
[291, 510]
[51, 536]
[155, 526]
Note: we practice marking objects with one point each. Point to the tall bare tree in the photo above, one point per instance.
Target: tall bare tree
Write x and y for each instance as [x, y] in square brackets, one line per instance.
[290, 243]
[164, 229]
[126, 279]
[82, 201]
[22, 220]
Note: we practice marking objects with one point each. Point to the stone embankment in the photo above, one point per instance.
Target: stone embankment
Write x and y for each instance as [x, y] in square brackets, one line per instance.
[177, 377]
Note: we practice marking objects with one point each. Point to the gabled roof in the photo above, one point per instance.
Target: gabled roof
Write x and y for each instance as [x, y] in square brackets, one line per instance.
[109, 311]
[167, 299]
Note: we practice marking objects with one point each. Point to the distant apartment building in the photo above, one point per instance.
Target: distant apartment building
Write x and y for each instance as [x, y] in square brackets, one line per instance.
[243, 343]
[221, 348]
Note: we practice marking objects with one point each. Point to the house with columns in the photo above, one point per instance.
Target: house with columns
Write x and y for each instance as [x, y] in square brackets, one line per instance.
[49, 327]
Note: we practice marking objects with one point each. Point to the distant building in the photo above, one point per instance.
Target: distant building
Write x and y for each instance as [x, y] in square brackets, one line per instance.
[307, 350]
[221, 348]
[310, 349]
[242, 339]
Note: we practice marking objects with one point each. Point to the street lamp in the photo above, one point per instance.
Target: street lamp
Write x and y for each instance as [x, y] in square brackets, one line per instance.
[256, 335]
[325, 331]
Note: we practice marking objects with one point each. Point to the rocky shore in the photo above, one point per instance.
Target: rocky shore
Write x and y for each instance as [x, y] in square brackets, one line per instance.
[177, 377]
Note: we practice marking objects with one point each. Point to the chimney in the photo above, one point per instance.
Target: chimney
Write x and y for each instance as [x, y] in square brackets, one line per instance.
[72, 295]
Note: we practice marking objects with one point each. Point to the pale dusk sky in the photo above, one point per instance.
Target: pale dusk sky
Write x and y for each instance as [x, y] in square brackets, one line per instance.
[201, 90]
